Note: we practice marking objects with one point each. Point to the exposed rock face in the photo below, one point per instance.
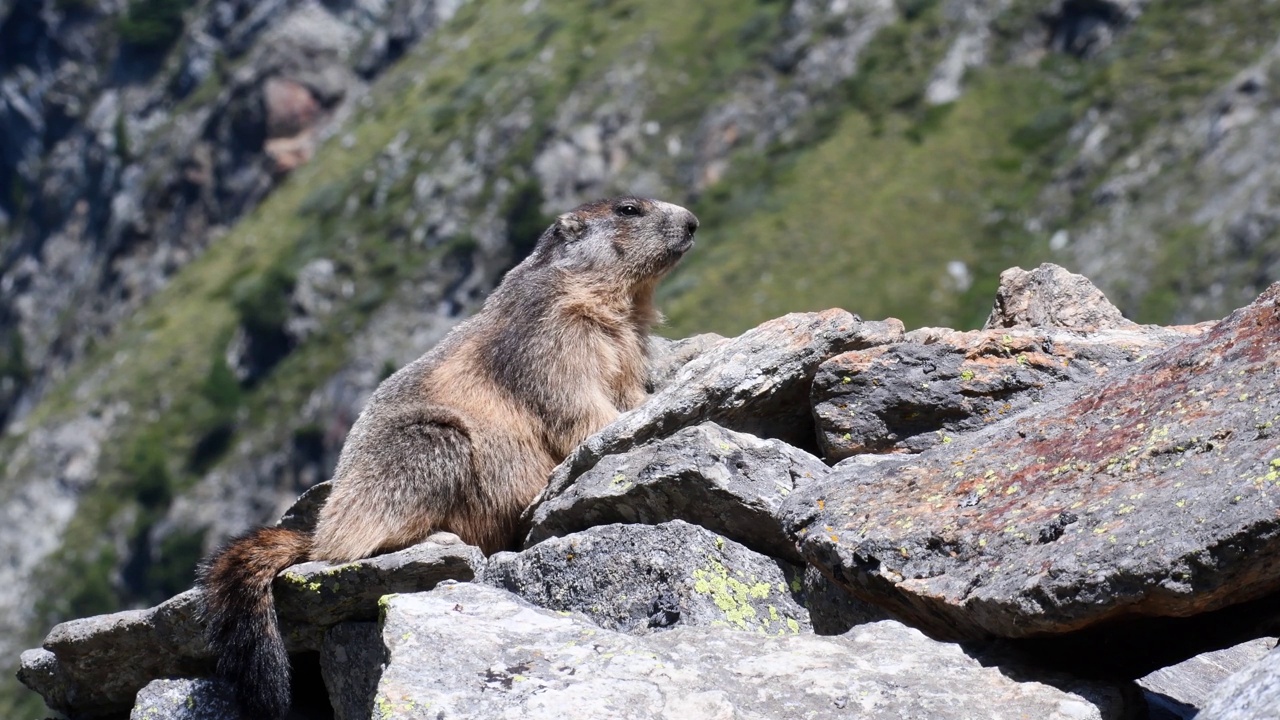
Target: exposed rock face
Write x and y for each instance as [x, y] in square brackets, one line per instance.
[95, 666]
[914, 395]
[184, 700]
[1251, 694]
[1049, 327]
[1049, 296]
[637, 579]
[321, 594]
[1143, 498]
[731, 483]
[541, 665]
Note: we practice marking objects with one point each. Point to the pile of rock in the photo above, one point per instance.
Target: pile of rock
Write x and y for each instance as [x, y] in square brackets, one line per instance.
[1064, 515]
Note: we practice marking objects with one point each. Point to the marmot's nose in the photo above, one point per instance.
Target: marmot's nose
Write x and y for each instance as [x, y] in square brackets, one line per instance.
[690, 222]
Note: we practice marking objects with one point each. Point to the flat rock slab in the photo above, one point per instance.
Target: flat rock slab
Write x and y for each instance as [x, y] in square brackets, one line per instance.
[1182, 689]
[1154, 494]
[756, 383]
[94, 666]
[321, 594]
[728, 482]
[1251, 694]
[938, 383]
[641, 578]
[476, 652]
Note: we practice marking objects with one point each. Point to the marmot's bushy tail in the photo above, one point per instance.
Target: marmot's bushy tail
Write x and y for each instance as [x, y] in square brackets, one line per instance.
[243, 631]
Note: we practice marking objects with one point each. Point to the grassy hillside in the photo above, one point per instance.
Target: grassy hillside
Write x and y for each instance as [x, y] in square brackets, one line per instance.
[869, 215]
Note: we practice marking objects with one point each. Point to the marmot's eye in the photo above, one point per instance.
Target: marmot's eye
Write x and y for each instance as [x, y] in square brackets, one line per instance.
[628, 209]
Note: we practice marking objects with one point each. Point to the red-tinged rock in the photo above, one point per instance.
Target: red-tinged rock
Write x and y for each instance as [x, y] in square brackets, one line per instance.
[939, 383]
[1132, 524]
[1050, 296]
[290, 106]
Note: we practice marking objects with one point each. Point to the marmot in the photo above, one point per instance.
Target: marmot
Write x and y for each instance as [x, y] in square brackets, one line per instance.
[462, 439]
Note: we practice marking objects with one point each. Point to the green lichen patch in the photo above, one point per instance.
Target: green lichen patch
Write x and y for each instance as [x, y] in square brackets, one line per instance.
[741, 598]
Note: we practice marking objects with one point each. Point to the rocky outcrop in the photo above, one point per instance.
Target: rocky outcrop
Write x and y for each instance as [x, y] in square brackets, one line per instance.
[1131, 507]
[1119, 526]
[1051, 297]
[184, 700]
[1049, 328]
[757, 383]
[939, 383]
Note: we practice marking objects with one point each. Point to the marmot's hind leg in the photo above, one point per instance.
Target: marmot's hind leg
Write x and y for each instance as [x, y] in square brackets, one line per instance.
[413, 475]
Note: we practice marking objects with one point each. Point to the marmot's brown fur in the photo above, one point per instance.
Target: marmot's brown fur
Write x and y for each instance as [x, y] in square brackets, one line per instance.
[463, 438]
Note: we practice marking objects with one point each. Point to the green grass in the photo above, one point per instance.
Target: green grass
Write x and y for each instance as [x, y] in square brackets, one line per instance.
[869, 219]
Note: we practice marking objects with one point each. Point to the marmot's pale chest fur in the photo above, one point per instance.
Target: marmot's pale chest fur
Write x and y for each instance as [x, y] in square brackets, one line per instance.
[463, 438]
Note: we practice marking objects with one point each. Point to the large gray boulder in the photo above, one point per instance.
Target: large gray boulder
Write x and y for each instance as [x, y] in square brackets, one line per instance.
[639, 578]
[95, 666]
[726, 481]
[470, 651]
[1126, 527]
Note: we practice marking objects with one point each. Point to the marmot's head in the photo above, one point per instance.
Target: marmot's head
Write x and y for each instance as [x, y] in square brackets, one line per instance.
[626, 240]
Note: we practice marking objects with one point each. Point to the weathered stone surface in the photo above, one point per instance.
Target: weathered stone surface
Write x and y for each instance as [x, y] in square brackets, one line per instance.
[1251, 694]
[938, 383]
[1113, 516]
[728, 482]
[832, 610]
[667, 357]
[351, 662]
[472, 651]
[756, 383]
[185, 700]
[318, 593]
[1050, 296]
[640, 578]
[1179, 691]
[96, 665]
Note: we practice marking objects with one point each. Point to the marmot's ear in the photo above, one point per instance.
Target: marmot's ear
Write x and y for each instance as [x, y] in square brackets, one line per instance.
[570, 226]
